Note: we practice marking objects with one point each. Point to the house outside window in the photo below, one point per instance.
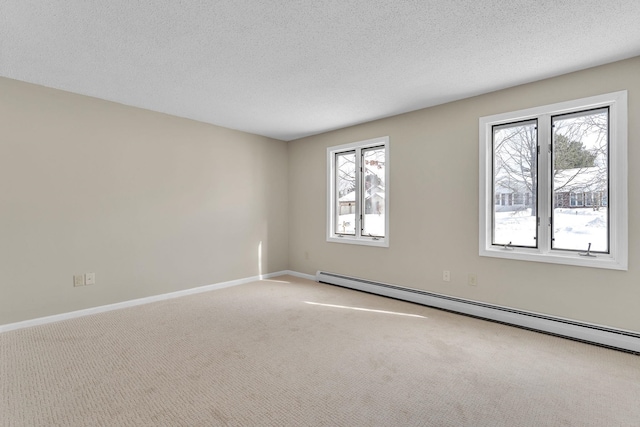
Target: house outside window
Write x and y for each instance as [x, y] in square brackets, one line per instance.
[357, 196]
[563, 169]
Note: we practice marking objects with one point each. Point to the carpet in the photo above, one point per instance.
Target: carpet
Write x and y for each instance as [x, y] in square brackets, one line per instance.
[292, 352]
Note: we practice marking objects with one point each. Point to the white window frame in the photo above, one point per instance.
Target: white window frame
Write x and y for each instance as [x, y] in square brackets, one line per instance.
[358, 238]
[617, 258]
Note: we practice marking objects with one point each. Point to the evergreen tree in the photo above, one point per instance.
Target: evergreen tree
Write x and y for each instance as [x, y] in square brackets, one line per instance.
[569, 154]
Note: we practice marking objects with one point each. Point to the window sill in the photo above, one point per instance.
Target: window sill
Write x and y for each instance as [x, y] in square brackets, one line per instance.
[566, 258]
[382, 242]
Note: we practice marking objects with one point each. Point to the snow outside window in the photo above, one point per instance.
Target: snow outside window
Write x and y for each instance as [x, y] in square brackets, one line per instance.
[357, 193]
[553, 183]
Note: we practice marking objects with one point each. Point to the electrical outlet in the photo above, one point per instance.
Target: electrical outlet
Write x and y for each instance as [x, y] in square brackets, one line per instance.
[90, 278]
[78, 280]
[446, 275]
[473, 279]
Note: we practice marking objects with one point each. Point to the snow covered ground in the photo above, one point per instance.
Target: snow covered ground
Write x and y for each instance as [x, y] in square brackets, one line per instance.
[373, 224]
[572, 228]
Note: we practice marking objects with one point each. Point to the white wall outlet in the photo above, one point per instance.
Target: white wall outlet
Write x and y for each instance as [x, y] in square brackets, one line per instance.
[78, 280]
[90, 278]
[473, 279]
[446, 275]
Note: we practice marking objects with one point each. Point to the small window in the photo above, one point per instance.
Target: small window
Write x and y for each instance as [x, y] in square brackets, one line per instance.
[358, 199]
[553, 183]
[576, 200]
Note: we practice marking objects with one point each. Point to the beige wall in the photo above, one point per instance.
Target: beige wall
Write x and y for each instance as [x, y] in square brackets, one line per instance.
[149, 202]
[434, 208]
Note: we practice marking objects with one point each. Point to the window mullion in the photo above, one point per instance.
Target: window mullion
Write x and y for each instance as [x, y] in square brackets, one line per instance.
[335, 203]
[363, 193]
[359, 195]
[544, 183]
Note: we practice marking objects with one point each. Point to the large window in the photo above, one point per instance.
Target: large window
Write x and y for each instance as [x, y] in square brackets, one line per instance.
[553, 183]
[358, 193]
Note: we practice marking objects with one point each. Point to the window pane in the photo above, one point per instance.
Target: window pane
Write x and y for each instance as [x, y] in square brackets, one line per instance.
[345, 193]
[515, 184]
[373, 163]
[581, 181]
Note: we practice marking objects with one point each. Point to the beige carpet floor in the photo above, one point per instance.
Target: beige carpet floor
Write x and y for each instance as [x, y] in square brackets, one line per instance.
[291, 352]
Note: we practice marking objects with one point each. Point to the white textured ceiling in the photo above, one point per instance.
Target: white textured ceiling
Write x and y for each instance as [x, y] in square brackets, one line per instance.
[287, 69]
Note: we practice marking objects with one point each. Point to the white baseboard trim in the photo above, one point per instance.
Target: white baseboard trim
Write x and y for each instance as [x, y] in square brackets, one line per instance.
[139, 301]
[300, 275]
[581, 331]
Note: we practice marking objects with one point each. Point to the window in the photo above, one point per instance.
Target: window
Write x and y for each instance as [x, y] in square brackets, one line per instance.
[358, 202]
[553, 183]
[576, 200]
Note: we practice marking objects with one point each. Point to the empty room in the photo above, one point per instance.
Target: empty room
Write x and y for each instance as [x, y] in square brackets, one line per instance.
[358, 213]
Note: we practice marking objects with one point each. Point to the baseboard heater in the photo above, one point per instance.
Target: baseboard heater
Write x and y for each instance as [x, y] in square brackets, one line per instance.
[601, 335]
